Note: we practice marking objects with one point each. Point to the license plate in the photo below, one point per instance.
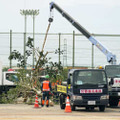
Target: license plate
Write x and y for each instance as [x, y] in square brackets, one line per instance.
[91, 102]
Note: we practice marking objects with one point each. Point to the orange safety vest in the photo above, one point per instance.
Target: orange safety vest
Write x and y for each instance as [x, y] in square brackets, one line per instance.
[46, 86]
[57, 82]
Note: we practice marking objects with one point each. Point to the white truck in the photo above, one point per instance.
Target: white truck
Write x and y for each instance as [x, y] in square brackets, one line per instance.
[113, 74]
[7, 79]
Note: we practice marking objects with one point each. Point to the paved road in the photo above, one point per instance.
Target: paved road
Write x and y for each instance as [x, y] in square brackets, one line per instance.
[28, 112]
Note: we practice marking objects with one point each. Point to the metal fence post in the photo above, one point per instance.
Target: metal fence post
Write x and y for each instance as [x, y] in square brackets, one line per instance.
[25, 29]
[73, 59]
[10, 47]
[59, 47]
[92, 56]
[24, 48]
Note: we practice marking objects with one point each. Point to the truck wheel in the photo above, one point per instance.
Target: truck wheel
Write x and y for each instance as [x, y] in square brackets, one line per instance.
[62, 102]
[113, 102]
[102, 108]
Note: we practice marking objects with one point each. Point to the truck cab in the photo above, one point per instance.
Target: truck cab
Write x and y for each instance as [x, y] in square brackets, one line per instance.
[86, 88]
[113, 74]
[7, 79]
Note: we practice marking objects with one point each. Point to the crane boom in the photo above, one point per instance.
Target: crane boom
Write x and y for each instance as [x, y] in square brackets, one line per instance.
[111, 58]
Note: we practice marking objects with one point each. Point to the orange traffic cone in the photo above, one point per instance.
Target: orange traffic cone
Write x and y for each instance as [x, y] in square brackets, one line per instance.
[119, 103]
[68, 107]
[36, 105]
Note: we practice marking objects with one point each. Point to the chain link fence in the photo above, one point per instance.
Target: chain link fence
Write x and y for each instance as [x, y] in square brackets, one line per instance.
[71, 49]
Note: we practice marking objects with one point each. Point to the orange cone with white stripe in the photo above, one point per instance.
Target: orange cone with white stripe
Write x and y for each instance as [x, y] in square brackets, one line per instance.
[68, 107]
[36, 105]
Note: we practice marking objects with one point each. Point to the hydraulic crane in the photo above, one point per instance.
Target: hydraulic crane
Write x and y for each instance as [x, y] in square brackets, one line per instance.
[111, 58]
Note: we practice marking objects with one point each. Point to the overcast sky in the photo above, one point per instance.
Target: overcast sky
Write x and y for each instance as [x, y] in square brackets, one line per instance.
[97, 16]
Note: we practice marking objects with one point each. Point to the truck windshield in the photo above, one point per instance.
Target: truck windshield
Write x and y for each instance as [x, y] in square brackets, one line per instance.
[113, 70]
[89, 77]
[12, 77]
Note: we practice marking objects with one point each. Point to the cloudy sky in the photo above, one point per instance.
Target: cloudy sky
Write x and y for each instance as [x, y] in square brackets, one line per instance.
[97, 16]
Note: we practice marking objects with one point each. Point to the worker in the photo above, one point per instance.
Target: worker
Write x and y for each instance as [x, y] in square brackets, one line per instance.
[46, 88]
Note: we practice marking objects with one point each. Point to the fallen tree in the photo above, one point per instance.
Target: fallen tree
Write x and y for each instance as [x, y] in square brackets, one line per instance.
[29, 83]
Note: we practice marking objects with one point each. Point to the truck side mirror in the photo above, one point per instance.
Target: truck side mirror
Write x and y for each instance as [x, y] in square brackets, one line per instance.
[68, 81]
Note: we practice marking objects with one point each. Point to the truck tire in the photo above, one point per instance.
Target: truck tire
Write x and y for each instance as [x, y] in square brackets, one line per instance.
[62, 102]
[113, 102]
[102, 108]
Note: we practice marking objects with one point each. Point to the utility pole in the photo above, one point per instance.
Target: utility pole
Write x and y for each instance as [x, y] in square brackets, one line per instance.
[24, 13]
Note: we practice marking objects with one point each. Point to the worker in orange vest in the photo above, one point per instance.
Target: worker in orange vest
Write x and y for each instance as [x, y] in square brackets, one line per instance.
[46, 88]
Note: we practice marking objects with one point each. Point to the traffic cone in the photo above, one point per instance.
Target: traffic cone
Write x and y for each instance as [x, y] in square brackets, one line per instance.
[119, 103]
[36, 105]
[68, 107]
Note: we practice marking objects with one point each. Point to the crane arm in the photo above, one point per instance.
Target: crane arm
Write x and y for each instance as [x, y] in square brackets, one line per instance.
[111, 58]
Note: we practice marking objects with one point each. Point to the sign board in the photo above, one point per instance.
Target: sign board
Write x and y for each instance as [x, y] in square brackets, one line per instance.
[61, 88]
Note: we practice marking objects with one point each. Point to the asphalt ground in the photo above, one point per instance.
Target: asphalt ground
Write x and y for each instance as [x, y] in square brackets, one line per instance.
[28, 112]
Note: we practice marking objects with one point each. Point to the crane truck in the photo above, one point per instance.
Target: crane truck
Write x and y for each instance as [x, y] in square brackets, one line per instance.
[111, 58]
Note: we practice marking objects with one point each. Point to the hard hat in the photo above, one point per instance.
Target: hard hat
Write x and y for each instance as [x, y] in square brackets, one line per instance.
[47, 76]
[100, 67]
